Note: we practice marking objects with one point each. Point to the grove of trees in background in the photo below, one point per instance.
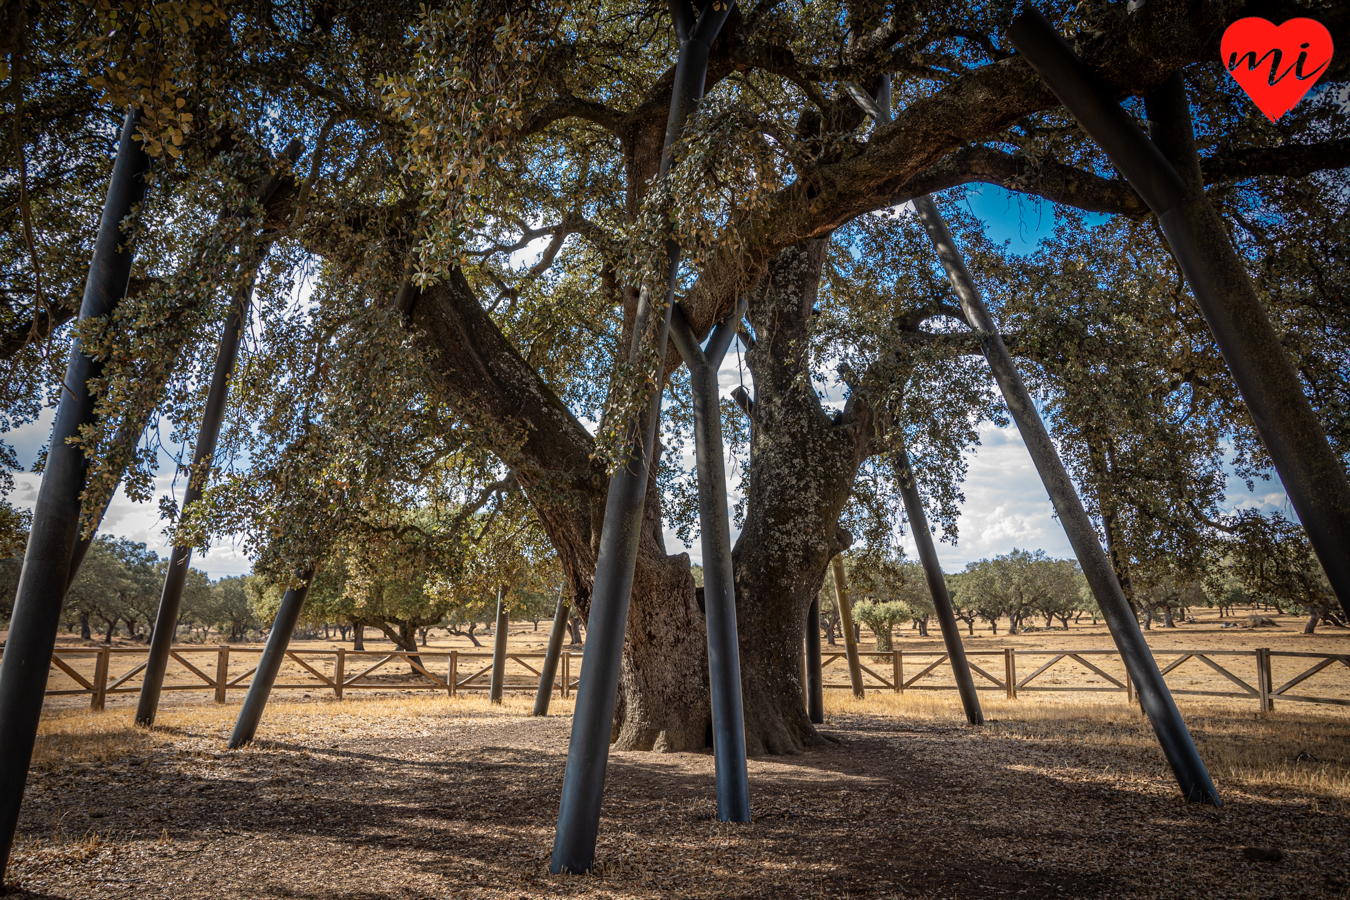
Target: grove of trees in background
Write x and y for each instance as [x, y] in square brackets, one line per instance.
[118, 588]
[117, 592]
[1028, 589]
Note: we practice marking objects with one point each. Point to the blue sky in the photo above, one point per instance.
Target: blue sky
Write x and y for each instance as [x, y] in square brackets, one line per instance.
[1006, 507]
[1020, 220]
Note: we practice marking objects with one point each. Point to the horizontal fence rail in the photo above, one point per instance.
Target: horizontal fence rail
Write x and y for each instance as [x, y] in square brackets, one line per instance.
[1245, 674]
[1233, 666]
[101, 671]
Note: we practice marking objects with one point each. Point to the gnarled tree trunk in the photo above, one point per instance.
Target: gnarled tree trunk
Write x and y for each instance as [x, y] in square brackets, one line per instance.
[803, 464]
[663, 683]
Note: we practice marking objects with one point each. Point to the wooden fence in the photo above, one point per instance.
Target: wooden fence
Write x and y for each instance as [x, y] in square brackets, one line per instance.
[930, 667]
[318, 669]
[99, 672]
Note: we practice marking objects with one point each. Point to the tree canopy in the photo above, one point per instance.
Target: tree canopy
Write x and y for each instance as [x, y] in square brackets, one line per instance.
[441, 325]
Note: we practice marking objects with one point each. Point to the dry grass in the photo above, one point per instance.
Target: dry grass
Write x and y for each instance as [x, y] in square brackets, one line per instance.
[1298, 750]
[1301, 750]
[416, 796]
[81, 736]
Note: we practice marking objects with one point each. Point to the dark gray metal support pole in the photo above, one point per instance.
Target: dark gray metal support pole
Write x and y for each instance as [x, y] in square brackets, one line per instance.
[166, 619]
[1101, 578]
[880, 108]
[499, 649]
[1309, 469]
[56, 515]
[592, 722]
[175, 578]
[719, 579]
[815, 675]
[269, 664]
[548, 673]
[128, 435]
[937, 588]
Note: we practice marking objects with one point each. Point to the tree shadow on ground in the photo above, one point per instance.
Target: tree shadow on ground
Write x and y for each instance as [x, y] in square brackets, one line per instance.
[894, 810]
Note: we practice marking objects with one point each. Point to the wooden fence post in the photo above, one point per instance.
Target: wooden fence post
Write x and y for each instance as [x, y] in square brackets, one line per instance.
[339, 671]
[100, 678]
[1130, 696]
[1010, 671]
[1264, 685]
[222, 672]
[452, 676]
[898, 670]
[567, 673]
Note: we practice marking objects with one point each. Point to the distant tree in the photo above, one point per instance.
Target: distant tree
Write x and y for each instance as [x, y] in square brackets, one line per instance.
[1166, 592]
[1270, 560]
[1226, 591]
[390, 588]
[962, 604]
[536, 589]
[140, 601]
[1019, 584]
[880, 583]
[197, 609]
[106, 590]
[997, 589]
[14, 522]
[881, 617]
[1056, 590]
[829, 606]
[914, 594]
[464, 618]
[231, 612]
[1087, 601]
[10, 567]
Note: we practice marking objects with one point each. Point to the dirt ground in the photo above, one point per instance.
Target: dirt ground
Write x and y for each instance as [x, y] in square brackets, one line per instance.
[428, 797]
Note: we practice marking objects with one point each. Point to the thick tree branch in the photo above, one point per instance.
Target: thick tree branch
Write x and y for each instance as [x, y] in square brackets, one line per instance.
[1043, 178]
[572, 107]
[1289, 161]
[1134, 55]
[36, 329]
[518, 417]
[1087, 191]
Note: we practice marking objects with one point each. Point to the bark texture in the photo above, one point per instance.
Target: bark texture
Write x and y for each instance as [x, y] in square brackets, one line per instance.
[663, 699]
[803, 466]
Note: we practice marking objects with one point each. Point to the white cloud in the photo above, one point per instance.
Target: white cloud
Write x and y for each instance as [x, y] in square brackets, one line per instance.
[1006, 506]
[125, 518]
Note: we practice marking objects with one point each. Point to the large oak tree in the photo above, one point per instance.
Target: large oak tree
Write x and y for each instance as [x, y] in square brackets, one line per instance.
[456, 263]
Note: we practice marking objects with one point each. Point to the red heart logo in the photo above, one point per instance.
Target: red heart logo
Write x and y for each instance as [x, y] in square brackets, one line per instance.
[1276, 65]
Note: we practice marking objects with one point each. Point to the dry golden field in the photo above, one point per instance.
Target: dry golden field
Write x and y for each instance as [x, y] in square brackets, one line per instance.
[422, 796]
